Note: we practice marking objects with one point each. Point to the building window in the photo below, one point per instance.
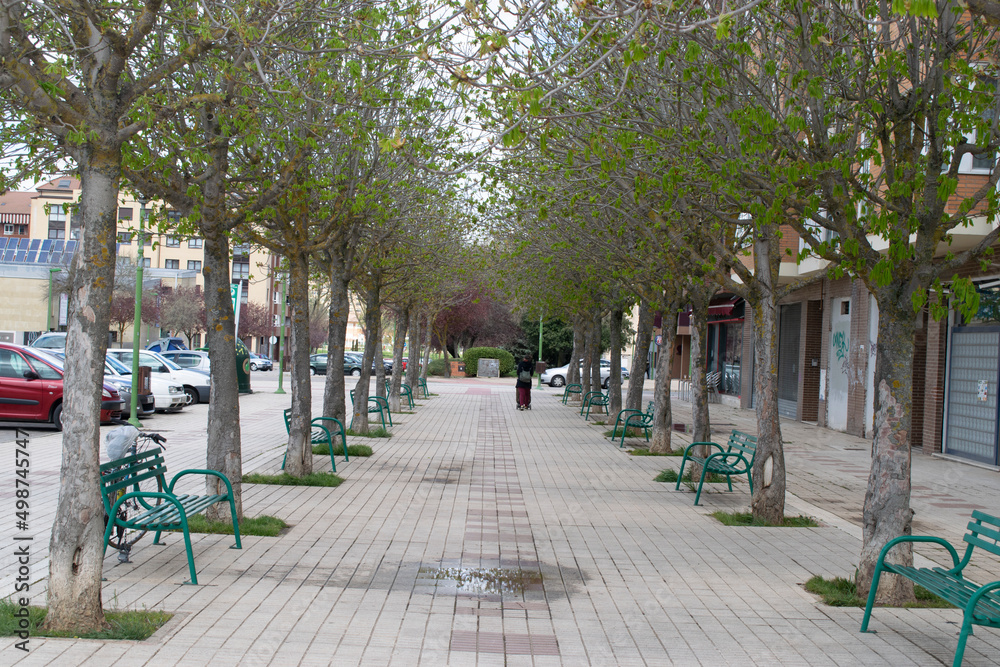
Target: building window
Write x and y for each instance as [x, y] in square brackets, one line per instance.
[277, 297]
[147, 262]
[194, 265]
[172, 264]
[173, 242]
[173, 217]
[124, 212]
[194, 243]
[65, 184]
[277, 321]
[147, 239]
[57, 222]
[125, 238]
[241, 270]
[8, 229]
[241, 250]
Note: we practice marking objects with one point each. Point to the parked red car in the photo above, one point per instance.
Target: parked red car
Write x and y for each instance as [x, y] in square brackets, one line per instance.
[31, 387]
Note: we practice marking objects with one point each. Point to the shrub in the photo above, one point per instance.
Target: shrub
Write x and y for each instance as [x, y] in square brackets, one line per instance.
[437, 367]
[474, 354]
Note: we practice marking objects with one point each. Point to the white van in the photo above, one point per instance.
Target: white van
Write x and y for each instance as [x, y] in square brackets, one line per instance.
[196, 383]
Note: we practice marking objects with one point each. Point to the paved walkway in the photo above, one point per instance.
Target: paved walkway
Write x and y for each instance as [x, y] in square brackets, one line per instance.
[480, 535]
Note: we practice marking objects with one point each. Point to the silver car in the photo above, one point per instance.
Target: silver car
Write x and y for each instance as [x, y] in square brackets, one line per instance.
[556, 377]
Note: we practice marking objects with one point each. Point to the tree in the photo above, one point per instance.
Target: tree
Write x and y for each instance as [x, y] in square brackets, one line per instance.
[255, 321]
[76, 77]
[183, 311]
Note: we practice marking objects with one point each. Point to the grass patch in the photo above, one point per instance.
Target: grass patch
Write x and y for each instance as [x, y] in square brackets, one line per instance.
[644, 451]
[372, 433]
[746, 519]
[259, 526]
[314, 479]
[840, 592]
[598, 423]
[129, 625]
[670, 475]
[352, 450]
[632, 432]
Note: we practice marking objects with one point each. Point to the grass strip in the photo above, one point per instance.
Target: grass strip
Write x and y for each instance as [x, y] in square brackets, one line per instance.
[130, 625]
[313, 479]
[259, 526]
[670, 475]
[644, 451]
[632, 432]
[841, 592]
[747, 519]
[379, 432]
[352, 450]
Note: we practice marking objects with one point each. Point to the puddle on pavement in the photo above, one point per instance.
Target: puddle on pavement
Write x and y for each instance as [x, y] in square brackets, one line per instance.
[493, 580]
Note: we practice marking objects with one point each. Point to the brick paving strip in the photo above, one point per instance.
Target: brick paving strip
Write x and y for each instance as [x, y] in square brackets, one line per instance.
[480, 535]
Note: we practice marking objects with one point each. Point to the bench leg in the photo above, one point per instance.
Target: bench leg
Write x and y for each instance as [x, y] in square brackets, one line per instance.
[729, 480]
[343, 441]
[236, 523]
[190, 552]
[701, 482]
[329, 448]
[962, 638]
[871, 597]
[680, 475]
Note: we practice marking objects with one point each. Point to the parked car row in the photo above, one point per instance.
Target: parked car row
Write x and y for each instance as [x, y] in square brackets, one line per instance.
[31, 387]
[556, 377]
[352, 364]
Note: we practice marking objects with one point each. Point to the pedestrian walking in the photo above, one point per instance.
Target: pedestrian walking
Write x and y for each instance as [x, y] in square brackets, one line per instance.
[525, 369]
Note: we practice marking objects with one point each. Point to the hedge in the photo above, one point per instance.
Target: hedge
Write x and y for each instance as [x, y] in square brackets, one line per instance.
[474, 354]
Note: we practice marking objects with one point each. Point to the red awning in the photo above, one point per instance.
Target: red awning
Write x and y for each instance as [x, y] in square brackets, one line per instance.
[723, 307]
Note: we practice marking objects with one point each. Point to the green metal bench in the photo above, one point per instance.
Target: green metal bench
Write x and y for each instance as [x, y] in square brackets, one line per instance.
[593, 399]
[322, 430]
[980, 605]
[160, 510]
[376, 404]
[736, 458]
[571, 389]
[422, 386]
[635, 419]
[404, 392]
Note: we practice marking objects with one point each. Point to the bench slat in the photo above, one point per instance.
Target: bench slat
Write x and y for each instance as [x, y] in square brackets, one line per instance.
[955, 590]
[132, 479]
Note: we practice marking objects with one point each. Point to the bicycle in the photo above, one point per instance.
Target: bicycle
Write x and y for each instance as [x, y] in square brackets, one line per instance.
[119, 443]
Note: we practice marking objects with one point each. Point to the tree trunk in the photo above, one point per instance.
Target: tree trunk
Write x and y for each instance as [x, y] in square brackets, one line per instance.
[579, 350]
[887, 513]
[584, 365]
[615, 380]
[633, 399]
[426, 347]
[223, 442]
[76, 549]
[663, 418]
[379, 358]
[334, 388]
[413, 357]
[298, 460]
[699, 387]
[768, 471]
[402, 325]
[595, 355]
[361, 390]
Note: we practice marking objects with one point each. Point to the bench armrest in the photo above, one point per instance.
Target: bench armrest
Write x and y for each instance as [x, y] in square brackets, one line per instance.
[194, 471]
[687, 450]
[978, 595]
[725, 456]
[956, 566]
[165, 496]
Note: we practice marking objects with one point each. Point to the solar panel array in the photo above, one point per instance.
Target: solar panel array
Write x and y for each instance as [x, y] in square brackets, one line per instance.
[46, 252]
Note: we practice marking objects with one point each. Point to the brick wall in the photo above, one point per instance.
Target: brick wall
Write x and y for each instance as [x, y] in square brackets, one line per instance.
[809, 399]
[919, 382]
[935, 390]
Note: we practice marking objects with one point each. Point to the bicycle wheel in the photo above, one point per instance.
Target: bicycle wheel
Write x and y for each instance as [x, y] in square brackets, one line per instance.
[122, 538]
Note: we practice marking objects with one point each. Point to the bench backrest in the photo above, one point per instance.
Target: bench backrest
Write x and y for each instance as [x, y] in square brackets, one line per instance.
[288, 420]
[984, 532]
[649, 409]
[126, 472]
[745, 443]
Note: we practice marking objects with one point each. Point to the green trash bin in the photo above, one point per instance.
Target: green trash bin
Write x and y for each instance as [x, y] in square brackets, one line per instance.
[243, 368]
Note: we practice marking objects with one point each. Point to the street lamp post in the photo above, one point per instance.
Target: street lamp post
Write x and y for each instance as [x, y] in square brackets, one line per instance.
[137, 321]
[281, 338]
